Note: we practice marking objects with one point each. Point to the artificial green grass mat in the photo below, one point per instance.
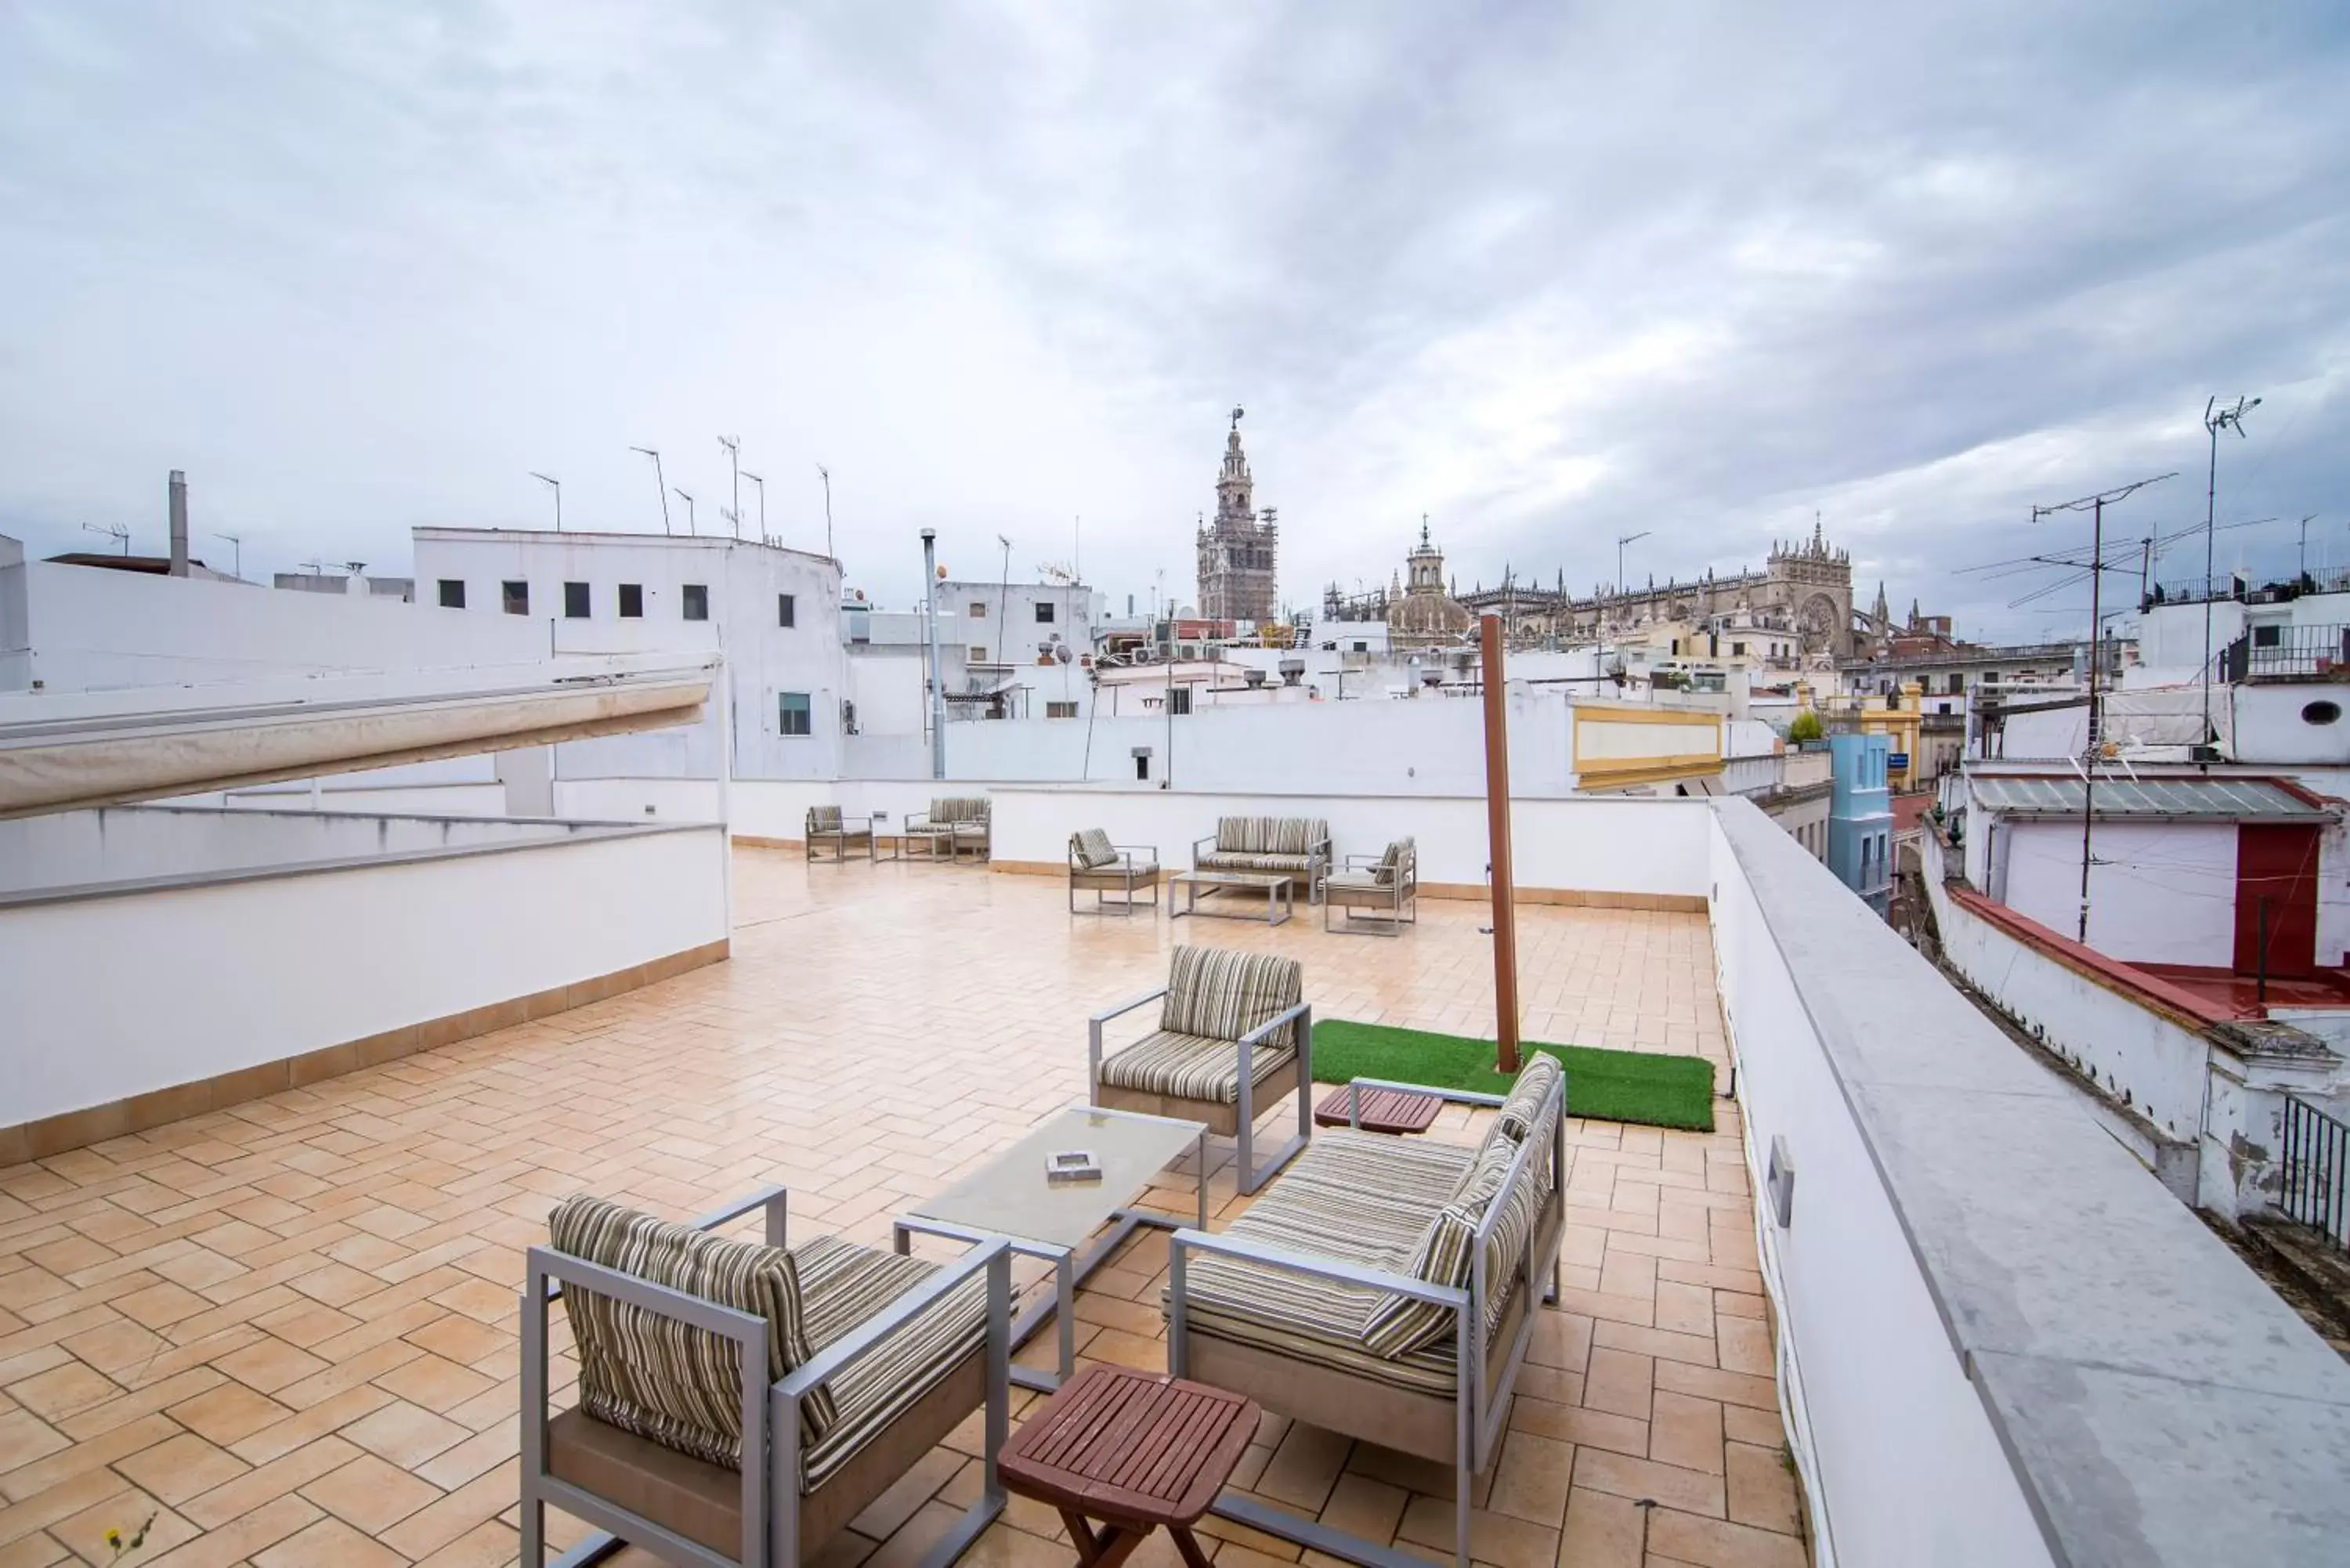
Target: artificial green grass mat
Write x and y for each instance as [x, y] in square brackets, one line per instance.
[1604, 1085]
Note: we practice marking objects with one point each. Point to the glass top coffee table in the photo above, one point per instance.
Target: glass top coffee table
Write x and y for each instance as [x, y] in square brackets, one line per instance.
[1273, 885]
[1011, 1197]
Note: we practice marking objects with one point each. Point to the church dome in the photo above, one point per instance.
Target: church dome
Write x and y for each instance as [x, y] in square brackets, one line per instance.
[1424, 612]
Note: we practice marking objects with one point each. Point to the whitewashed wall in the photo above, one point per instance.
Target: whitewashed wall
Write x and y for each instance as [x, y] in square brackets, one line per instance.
[90, 628]
[1861, 1335]
[232, 974]
[2158, 892]
[1589, 843]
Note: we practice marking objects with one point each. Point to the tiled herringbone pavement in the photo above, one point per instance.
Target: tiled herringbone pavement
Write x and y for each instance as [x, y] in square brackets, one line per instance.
[287, 1331]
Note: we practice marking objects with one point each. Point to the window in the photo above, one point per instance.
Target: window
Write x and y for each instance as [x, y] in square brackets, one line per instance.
[516, 598]
[697, 601]
[1142, 764]
[2321, 712]
[786, 612]
[1043, 614]
[792, 713]
[575, 601]
[2267, 636]
[978, 609]
[1180, 700]
[1736, 648]
[1060, 709]
[632, 601]
[977, 655]
[453, 593]
[1958, 682]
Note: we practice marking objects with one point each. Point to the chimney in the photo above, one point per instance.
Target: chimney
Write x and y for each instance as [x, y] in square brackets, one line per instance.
[179, 524]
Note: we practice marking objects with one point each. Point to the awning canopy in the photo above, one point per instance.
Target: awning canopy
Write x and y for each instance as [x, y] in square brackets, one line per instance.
[69, 750]
[2204, 797]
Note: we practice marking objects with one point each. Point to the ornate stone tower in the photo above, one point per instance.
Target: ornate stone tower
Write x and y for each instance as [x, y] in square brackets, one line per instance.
[1238, 552]
[1811, 583]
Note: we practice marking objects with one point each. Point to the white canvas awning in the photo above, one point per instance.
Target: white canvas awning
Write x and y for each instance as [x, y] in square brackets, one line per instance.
[68, 750]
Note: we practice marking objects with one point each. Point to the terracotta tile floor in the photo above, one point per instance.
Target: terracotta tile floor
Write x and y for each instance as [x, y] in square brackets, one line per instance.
[287, 1331]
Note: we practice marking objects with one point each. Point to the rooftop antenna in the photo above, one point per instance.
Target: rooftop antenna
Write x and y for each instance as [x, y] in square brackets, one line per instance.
[2095, 506]
[826, 474]
[2215, 420]
[2305, 543]
[235, 542]
[660, 485]
[763, 504]
[1627, 539]
[556, 485]
[1003, 595]
[690, 529]
[734, 445]
[114, 530]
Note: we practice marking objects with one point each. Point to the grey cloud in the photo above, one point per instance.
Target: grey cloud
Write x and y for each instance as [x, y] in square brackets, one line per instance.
[1550, 276]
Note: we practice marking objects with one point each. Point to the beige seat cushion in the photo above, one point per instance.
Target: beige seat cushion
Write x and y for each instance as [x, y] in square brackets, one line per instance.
[1355, 1196]
[1190, 1066]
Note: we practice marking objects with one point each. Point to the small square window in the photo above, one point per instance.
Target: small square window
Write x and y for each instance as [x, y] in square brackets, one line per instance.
[977, 655]
[978, 609]
[786, 611]
[696, 596]
[632, 601]
[791, 716]
[575, 601]
[515, 597]
[1043, 614]
[1183, 699]
[1060, 709]
[453, 593]
[2267, 636]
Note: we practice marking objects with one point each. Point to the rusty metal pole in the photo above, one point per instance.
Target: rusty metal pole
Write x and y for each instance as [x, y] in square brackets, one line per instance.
[1497, 829]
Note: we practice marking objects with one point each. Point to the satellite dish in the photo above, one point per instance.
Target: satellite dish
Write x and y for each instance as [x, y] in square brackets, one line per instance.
[1063, 653]
[942, 571]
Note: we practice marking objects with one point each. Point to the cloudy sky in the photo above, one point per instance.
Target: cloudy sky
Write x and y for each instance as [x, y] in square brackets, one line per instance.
[1548, 274]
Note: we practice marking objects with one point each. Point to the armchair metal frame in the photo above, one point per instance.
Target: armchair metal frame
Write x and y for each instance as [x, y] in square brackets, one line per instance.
[1397, 897]
[771, 1413]
[979, 839]
[1125, 874]
[1318, 864]
[1480, 1407]
[845, 838]
[1246, 1174]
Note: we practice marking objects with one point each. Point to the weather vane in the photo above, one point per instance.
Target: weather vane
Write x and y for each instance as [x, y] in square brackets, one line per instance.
[1237, 412]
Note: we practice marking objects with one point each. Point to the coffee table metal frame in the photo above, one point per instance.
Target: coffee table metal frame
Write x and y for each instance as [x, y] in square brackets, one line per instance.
[1070, 1265]
[1279, 900]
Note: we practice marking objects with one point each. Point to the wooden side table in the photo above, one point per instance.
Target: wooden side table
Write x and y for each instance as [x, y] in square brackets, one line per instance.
[1137, 1450]
[1384, 1110]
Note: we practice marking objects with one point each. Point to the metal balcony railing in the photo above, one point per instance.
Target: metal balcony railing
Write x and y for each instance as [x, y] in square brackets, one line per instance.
[2281, 651]
[2316, 1163]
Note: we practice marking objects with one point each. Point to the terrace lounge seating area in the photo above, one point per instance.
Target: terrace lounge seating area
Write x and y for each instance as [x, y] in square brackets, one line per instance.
[289, 1328]
[954, 828]
[1296, 846]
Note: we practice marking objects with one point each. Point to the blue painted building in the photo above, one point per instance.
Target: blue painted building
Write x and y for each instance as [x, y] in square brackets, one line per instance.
[1860, 816]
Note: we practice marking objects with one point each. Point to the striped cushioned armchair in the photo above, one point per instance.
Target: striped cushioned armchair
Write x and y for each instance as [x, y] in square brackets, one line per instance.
[738, 1404]
[1235, 1035]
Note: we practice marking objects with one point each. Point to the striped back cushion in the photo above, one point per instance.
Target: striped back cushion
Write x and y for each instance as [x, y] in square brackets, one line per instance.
[1242, 834]
[959, 808]
[1400, 1325]
[1294, 834]
[1395, 861]
[824, 819]
[679, 1385]
[1224, 995]
[1091, 848]
[1534, 1080]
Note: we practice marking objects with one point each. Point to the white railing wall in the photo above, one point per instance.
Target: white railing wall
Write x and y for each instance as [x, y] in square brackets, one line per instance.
[116, 994]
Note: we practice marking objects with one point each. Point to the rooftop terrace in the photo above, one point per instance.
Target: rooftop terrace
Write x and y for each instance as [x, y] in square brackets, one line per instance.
[288, 1329]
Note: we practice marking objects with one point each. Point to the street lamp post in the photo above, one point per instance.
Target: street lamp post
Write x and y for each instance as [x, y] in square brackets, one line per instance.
[557, 486]
[690, 529]
[660, 485]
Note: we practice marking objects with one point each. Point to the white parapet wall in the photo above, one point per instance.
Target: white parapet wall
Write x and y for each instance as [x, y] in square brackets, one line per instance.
[2002, 1342]
[129, 1002]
